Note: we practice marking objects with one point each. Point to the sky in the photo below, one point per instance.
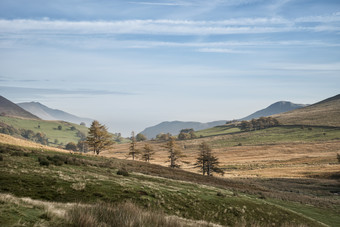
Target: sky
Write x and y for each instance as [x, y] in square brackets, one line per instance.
[133, 64]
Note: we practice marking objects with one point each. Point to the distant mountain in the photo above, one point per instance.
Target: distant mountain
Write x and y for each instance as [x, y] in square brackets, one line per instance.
[47, 113]
[8, 108]
[276, 108]
[174, 127]
[323, 113]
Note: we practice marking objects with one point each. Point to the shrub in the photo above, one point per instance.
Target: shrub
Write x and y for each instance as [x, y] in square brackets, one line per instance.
[262, 196]
[338, 157]
[123, 172]
[74, 161]
[57, 160]
[236, 194]
[71, 146]
[43, 161]
[19, 153]
[220, 194]
[1, 158]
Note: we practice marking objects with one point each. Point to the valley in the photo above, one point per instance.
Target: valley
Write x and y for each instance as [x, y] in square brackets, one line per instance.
[273, 152]
[283, 175]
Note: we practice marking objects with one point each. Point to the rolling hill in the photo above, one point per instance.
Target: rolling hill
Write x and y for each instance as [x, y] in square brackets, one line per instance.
[58, 133]
[323, 113]
[174, 127]
[279, 176]
[8, 108]
[47, 113]
[275, 108]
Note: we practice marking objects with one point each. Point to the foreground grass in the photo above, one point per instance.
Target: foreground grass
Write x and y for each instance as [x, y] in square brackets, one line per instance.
[17, 211]
[93, 180]
[309, 211]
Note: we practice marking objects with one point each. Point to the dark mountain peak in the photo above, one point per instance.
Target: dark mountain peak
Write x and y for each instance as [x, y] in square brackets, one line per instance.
[275, 108]
[281, 103]
[8, 108]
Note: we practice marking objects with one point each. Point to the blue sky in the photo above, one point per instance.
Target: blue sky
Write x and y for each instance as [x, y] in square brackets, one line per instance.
[133, 64]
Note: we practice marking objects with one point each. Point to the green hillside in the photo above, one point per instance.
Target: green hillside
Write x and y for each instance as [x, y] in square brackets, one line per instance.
[226, 136]
[103, 182]
[217, 131]
[68, 132]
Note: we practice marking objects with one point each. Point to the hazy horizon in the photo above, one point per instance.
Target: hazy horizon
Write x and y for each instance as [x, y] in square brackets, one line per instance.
[132, 64]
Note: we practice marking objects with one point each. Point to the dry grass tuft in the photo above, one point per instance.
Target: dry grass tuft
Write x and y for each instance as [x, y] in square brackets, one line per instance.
[124, 215]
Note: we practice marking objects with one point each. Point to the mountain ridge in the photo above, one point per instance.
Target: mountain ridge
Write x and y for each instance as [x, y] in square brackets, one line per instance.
[10, 109]
[47, 113]
[275, 108]
[174, 127]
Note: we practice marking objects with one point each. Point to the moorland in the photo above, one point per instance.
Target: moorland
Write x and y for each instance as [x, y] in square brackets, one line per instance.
[287, 175]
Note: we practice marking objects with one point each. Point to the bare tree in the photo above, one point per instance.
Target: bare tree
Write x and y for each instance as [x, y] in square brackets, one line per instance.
[206, 161]
[133, 150]
[148, 152]
[174, 152]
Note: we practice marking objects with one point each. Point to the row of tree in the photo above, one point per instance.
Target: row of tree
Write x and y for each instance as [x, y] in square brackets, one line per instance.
[184, 134]
[260, 123]
[188, 133]
[38, 137]
[99, 139]
[146, 153]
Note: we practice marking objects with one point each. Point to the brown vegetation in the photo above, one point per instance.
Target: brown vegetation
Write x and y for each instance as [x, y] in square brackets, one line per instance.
[7, 139]
[314, 159]
[325, 113]
[124, 215]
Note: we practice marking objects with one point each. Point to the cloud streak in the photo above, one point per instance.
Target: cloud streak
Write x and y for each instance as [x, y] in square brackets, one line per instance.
[163, 3]
[44, 91]
[174, 27]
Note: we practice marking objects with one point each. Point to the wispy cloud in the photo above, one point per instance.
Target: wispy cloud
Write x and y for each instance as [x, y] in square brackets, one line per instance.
[306, 67]
[197, 2]
[221, 50]
[173, 3]
[170, 27]
[46, 91]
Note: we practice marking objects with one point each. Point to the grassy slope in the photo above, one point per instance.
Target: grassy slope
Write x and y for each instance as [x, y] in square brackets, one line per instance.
[282, 134]
[324, 113]
[96, 180]
[49, 128]
[218, 130]
[10, 140]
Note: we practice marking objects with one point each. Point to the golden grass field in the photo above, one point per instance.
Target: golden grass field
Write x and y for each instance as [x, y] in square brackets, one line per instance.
[7, 139]
[280, 160]
[285, 160]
